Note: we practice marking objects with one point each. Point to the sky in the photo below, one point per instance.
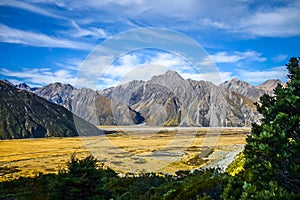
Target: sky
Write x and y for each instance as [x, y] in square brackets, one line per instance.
[46, 41]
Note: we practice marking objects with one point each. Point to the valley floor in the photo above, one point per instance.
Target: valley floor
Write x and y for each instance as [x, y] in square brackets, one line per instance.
[131, 150]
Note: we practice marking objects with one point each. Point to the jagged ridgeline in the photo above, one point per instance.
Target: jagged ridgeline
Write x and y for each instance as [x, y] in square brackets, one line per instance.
[164, 100]
[26, 115]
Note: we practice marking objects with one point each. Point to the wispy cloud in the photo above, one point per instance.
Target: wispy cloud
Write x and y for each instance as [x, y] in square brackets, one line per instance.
[225, 57]
[40, 76]
[12, 35]
[131, 67]
[260, 76]
[31, 8]
[280, 57]
[276, 22]
[238, 17]
[73, 64]
[78, 32]
[214, 24]
[216, 77]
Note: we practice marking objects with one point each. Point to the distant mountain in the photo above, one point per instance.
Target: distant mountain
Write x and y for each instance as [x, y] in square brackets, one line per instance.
[24, 86]
[270, 85]
[89, 104]
[25, 115]
[164, 100]
[169, 100]
[244, 88]
[55, 92]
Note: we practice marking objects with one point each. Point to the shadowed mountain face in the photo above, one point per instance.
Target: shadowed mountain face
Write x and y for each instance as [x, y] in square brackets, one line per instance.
[26, 115]
[165, 100]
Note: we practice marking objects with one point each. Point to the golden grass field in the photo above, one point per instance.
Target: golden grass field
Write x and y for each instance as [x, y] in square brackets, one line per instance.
[165, 150]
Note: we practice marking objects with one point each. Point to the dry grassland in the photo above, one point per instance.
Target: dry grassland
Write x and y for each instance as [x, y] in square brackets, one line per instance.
[133, 150]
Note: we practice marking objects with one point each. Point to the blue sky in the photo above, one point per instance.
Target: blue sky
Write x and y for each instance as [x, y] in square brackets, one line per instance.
[47, 41]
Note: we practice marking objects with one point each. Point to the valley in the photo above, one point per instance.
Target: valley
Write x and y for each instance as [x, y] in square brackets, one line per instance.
[131, 150]
[149, 100]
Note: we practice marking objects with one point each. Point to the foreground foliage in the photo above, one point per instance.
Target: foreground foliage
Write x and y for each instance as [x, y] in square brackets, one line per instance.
[272, 153]
[85, 179]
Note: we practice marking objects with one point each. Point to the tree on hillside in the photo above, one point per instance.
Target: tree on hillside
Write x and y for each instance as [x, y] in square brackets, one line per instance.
[272, 152]
[83, 179]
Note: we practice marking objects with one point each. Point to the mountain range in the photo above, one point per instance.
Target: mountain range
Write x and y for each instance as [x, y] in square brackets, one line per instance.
[23, 114]
[164, 100]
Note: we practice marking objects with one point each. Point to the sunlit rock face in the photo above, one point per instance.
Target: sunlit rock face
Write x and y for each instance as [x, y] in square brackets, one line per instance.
[164, 100]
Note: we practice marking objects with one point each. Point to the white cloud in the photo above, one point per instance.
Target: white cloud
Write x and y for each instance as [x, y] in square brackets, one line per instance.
[218, 77]
[168, 60]
[276, 22]
[214, 77]
[31, 8]
[280, 57]
[130, 67]
[246, 18]
[127, 64]
[260, 76]
[70, 64]
[11, 35]
[144, 72]
[225, 57]
[40, 76]
[94, 32]
[127, 68]
[214, 24]
[95, 65]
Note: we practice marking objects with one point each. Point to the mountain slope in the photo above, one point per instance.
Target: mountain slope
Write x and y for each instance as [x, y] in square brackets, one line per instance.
[169, 100]
[269, 85]
[25, 115]
[164, 100]
[89, 104]
[244, 88]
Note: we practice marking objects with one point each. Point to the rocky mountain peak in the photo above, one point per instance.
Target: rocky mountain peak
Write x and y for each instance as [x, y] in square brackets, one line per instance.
[244, 88]
[270, 84]
[61, 85]
[24, 86]
[164, 100]
[171, 73]
[235, 82]
[56, 92]
[168, 77]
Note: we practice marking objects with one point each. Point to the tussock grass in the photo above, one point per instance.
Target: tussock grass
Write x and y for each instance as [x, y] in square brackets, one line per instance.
[29, 157]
